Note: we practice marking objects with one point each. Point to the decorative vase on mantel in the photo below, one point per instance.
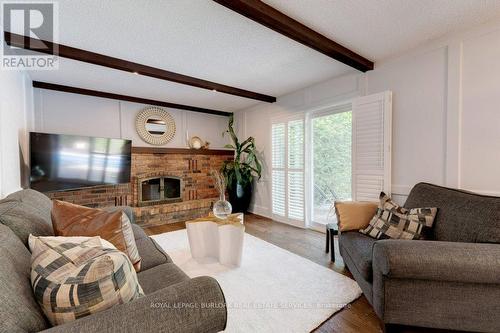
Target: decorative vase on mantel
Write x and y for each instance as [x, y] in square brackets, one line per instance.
[222, 208]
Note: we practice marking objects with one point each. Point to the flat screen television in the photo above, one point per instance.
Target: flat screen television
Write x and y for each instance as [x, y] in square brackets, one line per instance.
[63, 162]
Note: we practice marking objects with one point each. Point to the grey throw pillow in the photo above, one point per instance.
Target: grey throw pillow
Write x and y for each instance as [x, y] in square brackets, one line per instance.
[24, 219]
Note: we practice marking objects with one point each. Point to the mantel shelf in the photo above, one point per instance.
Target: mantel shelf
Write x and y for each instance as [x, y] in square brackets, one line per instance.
[185, 151]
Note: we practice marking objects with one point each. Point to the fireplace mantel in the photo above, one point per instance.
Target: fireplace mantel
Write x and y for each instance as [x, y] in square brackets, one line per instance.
[192, 166]
[185, 151]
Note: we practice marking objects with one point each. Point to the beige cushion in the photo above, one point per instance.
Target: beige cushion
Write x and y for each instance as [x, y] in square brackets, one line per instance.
[354, 215]
[73, 280]
[74, 220]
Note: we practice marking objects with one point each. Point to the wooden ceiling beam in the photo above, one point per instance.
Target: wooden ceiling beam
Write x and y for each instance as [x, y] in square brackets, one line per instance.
[102, 94]
[266, 15]
[69, 52]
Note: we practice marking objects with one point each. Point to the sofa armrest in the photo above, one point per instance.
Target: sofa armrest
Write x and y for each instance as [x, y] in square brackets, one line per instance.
[438, 261]
[195, 305]
[126, 209]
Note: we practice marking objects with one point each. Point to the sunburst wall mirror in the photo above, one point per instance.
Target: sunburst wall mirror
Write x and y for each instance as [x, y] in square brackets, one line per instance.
[155, 125]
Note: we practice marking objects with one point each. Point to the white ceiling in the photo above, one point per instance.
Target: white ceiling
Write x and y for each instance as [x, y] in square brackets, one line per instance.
[206, 40]
[378, 29]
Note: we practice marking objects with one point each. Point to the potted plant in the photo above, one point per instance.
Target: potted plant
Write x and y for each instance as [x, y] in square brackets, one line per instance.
[240, 172]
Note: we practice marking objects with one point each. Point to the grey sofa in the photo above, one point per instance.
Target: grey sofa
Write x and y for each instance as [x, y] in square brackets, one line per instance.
[449, 281]
[173, 301]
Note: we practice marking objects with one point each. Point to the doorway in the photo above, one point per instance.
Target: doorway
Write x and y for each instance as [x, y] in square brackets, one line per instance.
[331, 159]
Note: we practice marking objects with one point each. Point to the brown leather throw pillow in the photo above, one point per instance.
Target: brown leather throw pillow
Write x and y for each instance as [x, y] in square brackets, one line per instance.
[74, 220]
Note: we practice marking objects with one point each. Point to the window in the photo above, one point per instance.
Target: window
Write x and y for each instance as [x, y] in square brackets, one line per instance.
[288, 170]
[348, 149]
[278, 176]
[331, 157]
[296, 170]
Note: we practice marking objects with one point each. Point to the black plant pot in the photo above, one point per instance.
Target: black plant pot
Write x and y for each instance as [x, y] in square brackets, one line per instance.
[240, 197]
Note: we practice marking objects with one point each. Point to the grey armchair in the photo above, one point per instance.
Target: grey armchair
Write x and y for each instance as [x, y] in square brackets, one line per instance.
[449, 281]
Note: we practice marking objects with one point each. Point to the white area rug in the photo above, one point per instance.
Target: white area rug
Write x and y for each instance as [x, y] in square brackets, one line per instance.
[273, 291]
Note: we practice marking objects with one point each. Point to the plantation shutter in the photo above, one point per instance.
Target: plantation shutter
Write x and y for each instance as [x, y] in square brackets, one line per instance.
[296, 169]
[288, 170]
[371, 144]
[278, 169]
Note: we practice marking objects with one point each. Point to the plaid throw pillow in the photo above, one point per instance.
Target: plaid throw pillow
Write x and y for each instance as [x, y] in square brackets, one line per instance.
[393, 221]
[73, 280]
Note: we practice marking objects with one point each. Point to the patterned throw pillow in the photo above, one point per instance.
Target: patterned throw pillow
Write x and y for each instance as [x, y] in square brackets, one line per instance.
[73, 280]
[73, 220]
[61, 239]
[393, 221]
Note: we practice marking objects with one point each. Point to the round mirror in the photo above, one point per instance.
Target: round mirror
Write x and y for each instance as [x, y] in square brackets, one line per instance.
[155, 125]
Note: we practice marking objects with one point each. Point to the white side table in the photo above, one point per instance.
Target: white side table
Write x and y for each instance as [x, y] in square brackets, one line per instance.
[215, 238]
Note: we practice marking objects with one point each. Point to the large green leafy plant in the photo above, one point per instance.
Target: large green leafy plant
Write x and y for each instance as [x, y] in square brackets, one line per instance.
[245, 165]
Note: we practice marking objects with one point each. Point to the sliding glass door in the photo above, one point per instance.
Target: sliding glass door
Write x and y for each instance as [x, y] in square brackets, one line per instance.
[342, 152]
[331, 156]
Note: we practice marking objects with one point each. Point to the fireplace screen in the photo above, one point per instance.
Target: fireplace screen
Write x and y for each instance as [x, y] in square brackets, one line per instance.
[159, 189]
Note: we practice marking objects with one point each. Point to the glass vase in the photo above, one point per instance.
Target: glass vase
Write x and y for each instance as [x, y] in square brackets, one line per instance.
[222, 208]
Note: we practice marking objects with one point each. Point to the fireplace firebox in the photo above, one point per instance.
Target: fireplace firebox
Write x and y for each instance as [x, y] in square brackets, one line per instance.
[159, 189]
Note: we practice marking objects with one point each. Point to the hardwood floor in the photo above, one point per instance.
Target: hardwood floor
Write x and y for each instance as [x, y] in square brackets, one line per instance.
[357, 317]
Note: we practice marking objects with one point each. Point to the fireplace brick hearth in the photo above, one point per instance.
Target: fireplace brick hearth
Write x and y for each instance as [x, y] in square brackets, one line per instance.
[192, 167]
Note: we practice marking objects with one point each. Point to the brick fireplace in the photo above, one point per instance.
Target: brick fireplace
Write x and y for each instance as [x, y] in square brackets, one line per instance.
[155, 174]
[158, 189]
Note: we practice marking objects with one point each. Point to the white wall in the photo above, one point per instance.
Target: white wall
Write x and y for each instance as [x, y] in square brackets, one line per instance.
[479, 145]
[63, 113]
[418, 84]
[16, 112]
[446, 113]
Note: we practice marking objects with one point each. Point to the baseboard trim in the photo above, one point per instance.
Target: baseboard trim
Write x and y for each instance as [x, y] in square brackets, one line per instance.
[260, 210]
